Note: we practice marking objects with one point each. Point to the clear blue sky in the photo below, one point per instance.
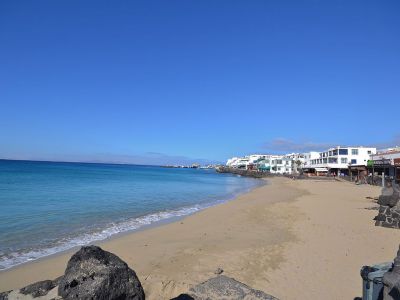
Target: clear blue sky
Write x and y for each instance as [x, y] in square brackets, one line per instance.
[169, 81]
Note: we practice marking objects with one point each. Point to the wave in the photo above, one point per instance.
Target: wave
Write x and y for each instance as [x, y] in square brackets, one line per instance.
[13, 259]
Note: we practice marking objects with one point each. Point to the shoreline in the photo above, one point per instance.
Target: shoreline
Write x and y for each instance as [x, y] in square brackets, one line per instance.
[181, 213]
[302, 233]
[155, 224]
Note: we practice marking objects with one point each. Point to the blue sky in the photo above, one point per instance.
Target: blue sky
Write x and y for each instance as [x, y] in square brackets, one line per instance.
[176, 81]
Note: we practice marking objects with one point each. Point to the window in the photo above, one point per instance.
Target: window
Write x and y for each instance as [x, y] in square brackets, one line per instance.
[334, 152]
[343, 160]
[354, 151]
[279, 161]
[332, 160]
[369, 152]
[354, 161]
[325, 160]
[343, 151]
[330, 153]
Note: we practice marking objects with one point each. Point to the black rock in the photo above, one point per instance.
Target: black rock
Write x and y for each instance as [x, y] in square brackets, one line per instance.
[223, 287]
[390, 201]
[93, 273]
[380, 218]
[39, 288]
[4, 295]
[391, 280]
[183, 297]
[390, 196]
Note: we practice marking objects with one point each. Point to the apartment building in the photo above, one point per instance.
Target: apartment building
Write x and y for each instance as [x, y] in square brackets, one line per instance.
[337, 160]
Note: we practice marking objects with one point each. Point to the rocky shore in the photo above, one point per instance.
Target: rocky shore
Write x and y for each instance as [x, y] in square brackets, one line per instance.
[263, 174]
[242, 172]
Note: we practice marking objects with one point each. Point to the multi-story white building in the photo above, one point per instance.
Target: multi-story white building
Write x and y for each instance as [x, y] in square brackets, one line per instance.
[238, 162]
[245, 162]
[338, 159]
[309, 158]
[280, 164]
[297, 160]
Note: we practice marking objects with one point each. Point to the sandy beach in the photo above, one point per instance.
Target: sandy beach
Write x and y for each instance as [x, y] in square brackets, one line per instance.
[291, 239]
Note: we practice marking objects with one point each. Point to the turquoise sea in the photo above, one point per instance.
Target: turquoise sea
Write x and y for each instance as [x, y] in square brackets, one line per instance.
[48, 207]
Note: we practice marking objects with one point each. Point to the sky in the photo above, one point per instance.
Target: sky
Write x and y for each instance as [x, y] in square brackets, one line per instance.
[163, 82]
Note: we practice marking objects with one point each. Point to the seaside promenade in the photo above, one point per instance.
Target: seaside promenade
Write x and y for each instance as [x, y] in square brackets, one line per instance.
[292, 239]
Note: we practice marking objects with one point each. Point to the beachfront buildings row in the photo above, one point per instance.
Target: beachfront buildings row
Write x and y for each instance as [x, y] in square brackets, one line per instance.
[362, 164]
[336, 160]
[281, 164]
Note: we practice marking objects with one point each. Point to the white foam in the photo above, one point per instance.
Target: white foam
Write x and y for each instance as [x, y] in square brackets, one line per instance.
[19, 257]
[16, 258]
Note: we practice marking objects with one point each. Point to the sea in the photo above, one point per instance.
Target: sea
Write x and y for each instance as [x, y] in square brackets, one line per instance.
[50, 207]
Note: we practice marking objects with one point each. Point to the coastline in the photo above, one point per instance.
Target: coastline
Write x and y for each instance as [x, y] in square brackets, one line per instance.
[309, 235]
[113, 219]
[64, 255]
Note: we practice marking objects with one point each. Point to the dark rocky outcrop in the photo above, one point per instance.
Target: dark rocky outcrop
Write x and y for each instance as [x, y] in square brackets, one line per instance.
[4, 295]
[391, 281]
[40, 288]
[242, 172]
[389, 210]
[93, 273]
[390, 196]
[223, 287]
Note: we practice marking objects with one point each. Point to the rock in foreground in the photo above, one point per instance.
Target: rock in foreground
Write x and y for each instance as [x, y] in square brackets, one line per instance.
[391, 281]
[41, 288]
[223, 287]
[93, 273]
[389, 210]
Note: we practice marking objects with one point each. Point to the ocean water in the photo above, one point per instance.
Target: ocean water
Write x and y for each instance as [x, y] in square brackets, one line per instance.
[48, 207]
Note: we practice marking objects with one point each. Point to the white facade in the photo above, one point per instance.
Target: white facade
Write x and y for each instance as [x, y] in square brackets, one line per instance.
[309, 157]
[237, 162]
[298, 160]
[338, 158]
[244, 162]
[280, 164]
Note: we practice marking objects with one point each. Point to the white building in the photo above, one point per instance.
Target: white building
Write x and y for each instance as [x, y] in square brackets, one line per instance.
[338, 159]
[238, 162]
[286, 164]
[309, 158]
[245, 162]
[280, 164]
[298, 160]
